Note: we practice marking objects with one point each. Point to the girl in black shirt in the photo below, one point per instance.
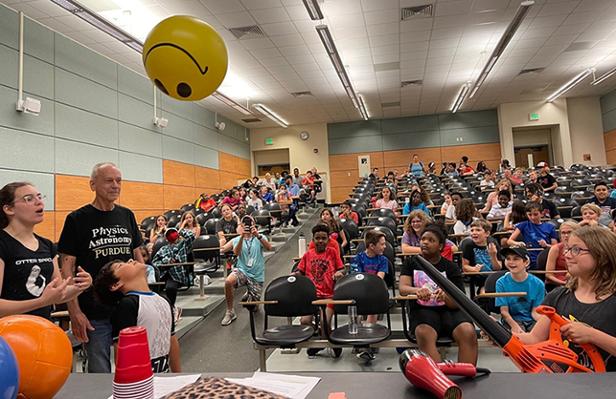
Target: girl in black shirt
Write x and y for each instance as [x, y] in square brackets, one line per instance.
[30, 280]
[434, 314]
[589, 297]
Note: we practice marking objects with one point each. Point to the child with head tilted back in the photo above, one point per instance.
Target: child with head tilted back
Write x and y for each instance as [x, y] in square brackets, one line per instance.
[588, 299]
[123, 285]
[518, 313]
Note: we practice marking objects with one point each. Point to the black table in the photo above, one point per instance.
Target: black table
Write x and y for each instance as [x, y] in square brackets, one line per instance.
[388, 385]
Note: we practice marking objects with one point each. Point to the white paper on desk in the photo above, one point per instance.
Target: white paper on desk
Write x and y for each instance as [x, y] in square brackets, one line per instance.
[291, 386]
[166, 385]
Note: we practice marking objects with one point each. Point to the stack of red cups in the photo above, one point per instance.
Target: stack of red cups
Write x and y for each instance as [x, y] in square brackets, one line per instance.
[133, 375]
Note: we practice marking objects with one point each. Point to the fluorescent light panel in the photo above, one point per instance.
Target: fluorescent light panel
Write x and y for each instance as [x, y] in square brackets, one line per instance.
[271, 115]
[603, 77]
[502, 44]
[313, 9]
[460, 98]
[570, 84]
[334, 56]
[99, 22]
[231, 103]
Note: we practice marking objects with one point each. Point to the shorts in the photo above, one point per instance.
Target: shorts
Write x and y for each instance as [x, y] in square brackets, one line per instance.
[254, 287]
[441, 319]
[526, 325]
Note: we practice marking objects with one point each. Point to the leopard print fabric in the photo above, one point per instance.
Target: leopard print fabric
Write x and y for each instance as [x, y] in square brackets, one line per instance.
[219, 388]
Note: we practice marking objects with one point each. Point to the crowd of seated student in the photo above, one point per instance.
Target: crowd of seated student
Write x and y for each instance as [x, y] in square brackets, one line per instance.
[525, 216]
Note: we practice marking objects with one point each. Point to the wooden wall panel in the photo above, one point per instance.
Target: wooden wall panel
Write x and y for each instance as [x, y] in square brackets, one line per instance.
[344, 178]
[243, 167]
[206, 177]
[142, 214]
[72, 192]
[376, 159]
[178, 173]
[47, 228]
[207, 190]
[340, 194]
[342, 162]
[610, 141]
[59, 217]
[402, 158]
[226, 162]
[176, 196]
[228, 179]
[139, 195]
[474, 152]
[610, 157]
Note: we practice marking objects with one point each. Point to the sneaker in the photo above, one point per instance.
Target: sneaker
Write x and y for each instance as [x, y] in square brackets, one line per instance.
[312, 352]
[337, 352]
[245, 297]
[366, 355]
[228, 319]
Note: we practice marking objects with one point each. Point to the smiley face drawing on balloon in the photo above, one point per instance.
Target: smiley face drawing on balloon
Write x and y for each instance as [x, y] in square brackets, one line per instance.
[185, 58]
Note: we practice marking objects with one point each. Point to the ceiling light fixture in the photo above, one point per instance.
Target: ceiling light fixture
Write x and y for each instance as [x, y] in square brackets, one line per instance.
[271, 115]
[460, 97]
[100, 23]
[502, 43]
[231, 103]
[334, 56]
[570, 84]
[313, 9]
[362, 108]
[603, 77]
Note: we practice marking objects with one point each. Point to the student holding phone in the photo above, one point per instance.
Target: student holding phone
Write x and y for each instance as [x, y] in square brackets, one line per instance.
[249, 270]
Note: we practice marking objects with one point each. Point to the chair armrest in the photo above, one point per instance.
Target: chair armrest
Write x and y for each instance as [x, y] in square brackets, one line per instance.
[500, 294]
[320, 302]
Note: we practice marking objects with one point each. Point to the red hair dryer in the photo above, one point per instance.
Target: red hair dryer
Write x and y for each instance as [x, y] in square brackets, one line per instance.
[425, 373]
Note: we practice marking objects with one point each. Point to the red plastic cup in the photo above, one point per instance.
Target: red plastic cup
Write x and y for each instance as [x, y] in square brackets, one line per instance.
[133, 363]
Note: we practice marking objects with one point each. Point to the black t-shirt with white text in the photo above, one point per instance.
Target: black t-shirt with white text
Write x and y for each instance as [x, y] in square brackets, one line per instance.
[96, 237]
[26, 272]
[226, 226]
[598, 315]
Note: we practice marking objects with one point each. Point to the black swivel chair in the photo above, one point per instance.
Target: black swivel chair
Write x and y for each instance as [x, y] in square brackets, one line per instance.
[293, 296]
[370, 296]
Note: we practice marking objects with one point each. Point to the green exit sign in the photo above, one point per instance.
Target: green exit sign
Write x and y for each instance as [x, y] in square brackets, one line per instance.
[269, 141]
[533, 116]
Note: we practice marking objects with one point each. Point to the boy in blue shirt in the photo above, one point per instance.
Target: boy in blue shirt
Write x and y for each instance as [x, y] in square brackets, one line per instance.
[536, 234]
[518, 313]
[371, 261]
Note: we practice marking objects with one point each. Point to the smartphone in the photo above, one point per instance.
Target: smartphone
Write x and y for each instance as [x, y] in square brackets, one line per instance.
[247, 221]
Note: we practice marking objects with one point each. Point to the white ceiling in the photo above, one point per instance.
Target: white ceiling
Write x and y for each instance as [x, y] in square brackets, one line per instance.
[444, 51]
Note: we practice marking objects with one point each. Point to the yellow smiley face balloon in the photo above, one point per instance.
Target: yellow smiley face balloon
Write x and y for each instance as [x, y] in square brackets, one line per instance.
[185, 58]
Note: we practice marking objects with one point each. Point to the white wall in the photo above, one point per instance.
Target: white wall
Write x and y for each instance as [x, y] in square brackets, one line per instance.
[586, 130]
[301, 153]
[529, 138]
[512, 115]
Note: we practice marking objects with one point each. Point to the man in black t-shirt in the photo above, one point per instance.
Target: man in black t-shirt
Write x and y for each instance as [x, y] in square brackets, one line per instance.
[92, 236]
[547, 181]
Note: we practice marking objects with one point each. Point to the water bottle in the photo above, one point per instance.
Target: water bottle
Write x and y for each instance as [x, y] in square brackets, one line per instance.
[353, 325]
[301, 244]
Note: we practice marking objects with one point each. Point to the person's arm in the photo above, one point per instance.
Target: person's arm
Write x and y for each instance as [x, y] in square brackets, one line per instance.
[153, 234]
[53, 293]
[512, 239]
[466, 266]
[262, 239]
[489, 200]
[551, 265]
[78, 284]
[237, 248]
[493, 252]
[581, 333]
[138, 256]
[197, 230]
[174, 355]
[344, 239]
[406, 286]
[409, 249]
[80, 325]
[505, 315]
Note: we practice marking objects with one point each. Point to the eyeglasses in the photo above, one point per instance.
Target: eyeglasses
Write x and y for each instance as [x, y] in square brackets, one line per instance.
[575, 251]
[31, 198]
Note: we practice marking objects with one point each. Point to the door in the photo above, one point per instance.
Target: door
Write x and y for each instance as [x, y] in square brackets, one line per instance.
[535, 153]
[363, 165]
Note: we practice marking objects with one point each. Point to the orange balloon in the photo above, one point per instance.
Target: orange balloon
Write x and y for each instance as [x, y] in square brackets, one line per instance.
[43, 351]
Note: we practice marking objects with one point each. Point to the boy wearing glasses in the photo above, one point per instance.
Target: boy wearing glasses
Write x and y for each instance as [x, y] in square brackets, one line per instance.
[518, 313]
